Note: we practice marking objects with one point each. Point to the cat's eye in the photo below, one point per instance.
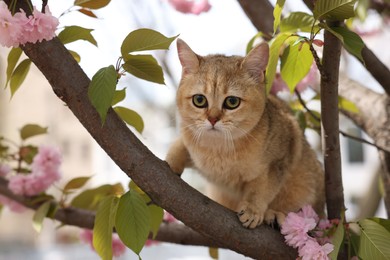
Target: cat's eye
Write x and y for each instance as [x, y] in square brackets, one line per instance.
[199, 101]
[231, 102]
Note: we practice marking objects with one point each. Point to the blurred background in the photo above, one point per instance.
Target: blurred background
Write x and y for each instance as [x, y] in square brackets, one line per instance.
[224, 29]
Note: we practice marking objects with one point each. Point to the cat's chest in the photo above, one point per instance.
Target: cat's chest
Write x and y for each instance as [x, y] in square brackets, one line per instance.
[227, 168]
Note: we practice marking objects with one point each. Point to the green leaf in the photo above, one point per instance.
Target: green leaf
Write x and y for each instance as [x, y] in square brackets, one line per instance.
[75, 33]
[30, 130]
[275, 47]
[101, 90]
[132, 221]
[347, 105]
[278, 13]
[383, 222]
[76, 183]
[12, 60]
[27, 154]
[40, 215]
[351, 41]
[131, 118]
[295, 64]
[103, 226]
[374, 241]
[133, 186]
[337, 240]
[334, 9]
[144, 67]
[19, 75]
[87, 12]
[92, 4]
[297, 21]
[89, 199]
[118, 96]
[249, 46]
[145, 39]
[75, 55]
[157, 215]
[213, 252]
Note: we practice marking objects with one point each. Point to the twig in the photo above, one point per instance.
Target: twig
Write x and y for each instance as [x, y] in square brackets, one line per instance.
[345, 134]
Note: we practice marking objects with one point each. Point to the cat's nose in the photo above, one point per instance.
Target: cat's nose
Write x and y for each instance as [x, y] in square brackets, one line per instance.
[213, 120]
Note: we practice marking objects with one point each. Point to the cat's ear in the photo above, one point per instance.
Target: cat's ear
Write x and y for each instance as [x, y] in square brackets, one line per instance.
[188, 58]
[256, 61]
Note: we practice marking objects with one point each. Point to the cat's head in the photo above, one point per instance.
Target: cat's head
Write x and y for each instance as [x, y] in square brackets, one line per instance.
[221, 98]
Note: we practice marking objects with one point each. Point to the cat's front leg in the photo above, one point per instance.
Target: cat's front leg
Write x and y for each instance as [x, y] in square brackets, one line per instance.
[257, 195]
[178, 157]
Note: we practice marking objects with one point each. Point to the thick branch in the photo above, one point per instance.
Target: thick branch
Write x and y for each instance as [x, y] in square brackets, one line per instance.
[374, 119]
[154, 176]
[172, 232]
[260, 13]
[330, 125]
[377, 69]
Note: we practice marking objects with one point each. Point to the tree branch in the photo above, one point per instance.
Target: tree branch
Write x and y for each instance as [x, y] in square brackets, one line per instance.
[260, 13]
[169, 232]
[151, 174]
[375, 121]
[330, 126]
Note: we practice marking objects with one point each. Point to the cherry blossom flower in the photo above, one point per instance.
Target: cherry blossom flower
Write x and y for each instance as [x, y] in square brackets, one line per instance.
[295, 229]
[168, 217]
[151, 242]
[10, 28]
[4, 170]
[191, 6]
[308, 213]
[20, 29]
[38, 26]
[118, 248]
[45, 171]
[305, 231]
[314, 251]
[12, 205]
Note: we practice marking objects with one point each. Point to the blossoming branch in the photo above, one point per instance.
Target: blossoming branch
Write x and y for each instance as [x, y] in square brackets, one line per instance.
[19, 29]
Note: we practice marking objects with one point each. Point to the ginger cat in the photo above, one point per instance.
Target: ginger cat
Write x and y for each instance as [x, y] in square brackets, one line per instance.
[247, 145]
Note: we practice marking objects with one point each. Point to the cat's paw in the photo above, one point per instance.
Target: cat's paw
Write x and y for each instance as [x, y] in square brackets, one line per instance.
[250, 215]
[272, 215]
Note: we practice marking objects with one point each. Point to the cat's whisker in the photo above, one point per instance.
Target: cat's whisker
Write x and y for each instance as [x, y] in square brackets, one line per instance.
[247, 134]
[230, 141]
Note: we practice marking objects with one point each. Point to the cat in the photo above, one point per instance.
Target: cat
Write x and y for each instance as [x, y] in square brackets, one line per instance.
[248, 145]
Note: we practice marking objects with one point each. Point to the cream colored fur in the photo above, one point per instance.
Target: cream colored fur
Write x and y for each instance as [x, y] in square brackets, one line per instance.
[255, 156]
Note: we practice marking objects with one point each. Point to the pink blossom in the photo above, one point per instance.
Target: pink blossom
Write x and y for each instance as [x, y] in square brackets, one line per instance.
[47, 162]
[20, 29]
[45, 171]
[314, 251]
[168, 217]
[191, 6]
[38, 26]
[320, 233]
[17, 183]
[118, 248]
[310, 79]
[4, 170]
[12, 205]
[151, 242]
[308, 212]
[295, 229]
[10, 28]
